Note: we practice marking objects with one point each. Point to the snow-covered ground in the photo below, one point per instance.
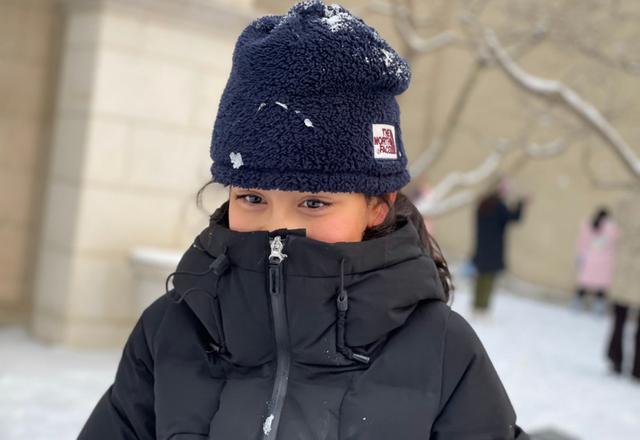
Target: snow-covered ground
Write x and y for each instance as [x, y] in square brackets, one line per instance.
[550, 359]
[47, 392]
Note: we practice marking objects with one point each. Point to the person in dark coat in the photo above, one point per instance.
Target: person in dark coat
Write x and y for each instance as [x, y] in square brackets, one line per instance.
[493, 216]
[314, 304]
[625, 291]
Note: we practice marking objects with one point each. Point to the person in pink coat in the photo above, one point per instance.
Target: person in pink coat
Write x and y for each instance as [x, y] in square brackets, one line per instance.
[596, 252]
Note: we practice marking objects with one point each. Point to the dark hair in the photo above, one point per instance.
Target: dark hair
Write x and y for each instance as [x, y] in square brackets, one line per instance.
[402, 206]
[489, 203]
[598, 218]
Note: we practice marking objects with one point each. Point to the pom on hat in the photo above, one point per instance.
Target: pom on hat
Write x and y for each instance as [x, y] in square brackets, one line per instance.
[310, 106]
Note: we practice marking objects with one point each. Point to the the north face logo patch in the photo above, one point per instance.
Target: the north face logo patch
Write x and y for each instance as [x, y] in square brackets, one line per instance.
[384, 141]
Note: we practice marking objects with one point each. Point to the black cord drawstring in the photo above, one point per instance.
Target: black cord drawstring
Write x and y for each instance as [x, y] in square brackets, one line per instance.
[342, 305]
[219, 266]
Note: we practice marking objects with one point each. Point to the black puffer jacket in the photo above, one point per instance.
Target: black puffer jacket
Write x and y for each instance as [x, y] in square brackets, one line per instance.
[279, 336]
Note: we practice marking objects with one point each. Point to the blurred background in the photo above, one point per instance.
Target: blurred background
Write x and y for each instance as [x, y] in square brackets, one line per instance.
[106, 112]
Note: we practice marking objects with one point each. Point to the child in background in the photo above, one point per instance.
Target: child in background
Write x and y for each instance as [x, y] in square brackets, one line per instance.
[595, 260]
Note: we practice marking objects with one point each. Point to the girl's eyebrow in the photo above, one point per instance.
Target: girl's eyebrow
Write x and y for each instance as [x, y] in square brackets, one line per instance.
[316, 196]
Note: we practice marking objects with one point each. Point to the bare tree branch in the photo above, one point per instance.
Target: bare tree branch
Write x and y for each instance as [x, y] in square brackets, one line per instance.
[421, 45]
[436, 200]
[405, 24]
[441, 200]
[439, 144]
[574, 102]
[445, 206]
[458, 189]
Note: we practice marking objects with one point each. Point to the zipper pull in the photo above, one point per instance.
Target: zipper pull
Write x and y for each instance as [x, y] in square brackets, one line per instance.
[277, 246]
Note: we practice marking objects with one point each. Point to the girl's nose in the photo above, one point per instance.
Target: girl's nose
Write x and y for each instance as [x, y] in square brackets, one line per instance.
[282, 221]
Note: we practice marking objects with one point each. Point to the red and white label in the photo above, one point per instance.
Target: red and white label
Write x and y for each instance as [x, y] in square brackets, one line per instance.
[384, 141]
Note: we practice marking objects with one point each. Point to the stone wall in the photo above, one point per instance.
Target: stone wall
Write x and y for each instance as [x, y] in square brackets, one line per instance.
[28, 56]
[137, 96]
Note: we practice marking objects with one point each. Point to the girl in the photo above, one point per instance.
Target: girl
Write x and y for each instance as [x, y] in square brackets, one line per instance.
[596, 252]
[314, 305]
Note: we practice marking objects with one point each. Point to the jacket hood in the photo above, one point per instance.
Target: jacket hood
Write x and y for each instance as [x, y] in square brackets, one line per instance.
[223, 278]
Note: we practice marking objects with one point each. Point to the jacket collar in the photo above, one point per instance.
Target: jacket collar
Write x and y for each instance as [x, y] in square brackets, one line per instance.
[386, 278]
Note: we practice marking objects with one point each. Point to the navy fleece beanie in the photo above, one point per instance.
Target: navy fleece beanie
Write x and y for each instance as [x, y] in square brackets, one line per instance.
[310, 106]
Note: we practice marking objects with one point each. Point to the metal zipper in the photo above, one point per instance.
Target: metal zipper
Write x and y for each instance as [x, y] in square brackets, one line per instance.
[283, 360]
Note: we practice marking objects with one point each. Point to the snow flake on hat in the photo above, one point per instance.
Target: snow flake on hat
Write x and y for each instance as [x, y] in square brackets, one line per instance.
[333, 16]
[337, 19]
[394, 64]
[236, 160]
[388, 57]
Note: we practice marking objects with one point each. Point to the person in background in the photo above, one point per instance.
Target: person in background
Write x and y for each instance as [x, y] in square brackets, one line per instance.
[492, 218]
[595, 260]
[625, 288]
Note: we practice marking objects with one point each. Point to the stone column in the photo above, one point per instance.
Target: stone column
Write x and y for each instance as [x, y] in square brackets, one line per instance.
[28, 54]
[136, 100]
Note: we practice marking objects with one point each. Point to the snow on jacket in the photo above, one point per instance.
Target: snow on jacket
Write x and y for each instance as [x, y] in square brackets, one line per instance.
[626, 279]
[596, 255]
[279, 336]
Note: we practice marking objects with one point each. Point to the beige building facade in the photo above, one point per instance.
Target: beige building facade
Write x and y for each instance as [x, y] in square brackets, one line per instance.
[106, 111]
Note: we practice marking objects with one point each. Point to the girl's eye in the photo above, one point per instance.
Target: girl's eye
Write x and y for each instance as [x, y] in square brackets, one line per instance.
[257, 200]
[315, 204]
[250, 198]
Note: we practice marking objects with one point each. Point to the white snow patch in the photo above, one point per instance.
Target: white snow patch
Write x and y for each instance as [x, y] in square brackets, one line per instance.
[284, 106]
[388, 57]
[266, 428]
[377, 36]
[236, 159]
[549, 357]
[337, 18]
[46, 391]
[337, 22]
[308, 123]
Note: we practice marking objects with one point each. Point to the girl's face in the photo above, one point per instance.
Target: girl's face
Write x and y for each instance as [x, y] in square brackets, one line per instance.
[328, 217]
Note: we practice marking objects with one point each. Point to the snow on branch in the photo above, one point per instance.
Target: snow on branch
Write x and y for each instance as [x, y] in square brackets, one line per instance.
[424, 45]
[439, 201]
[574, 102]
[406, 29]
